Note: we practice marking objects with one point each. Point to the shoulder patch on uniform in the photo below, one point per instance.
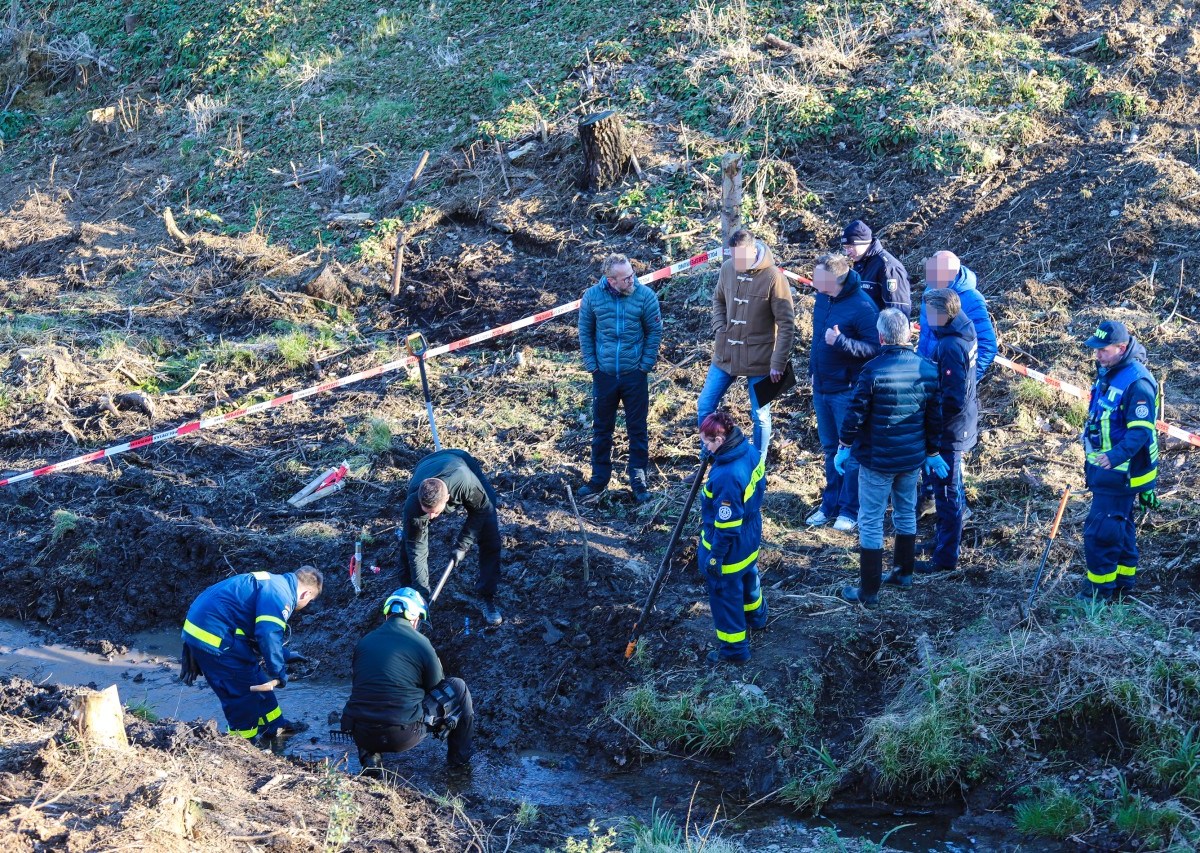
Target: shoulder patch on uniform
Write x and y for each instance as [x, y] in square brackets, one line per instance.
[725, 512]
[892, 284]
[287, 611]
[1142, 410]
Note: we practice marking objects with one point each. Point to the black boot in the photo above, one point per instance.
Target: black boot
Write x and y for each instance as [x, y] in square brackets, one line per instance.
[637, 484]
[870, 574]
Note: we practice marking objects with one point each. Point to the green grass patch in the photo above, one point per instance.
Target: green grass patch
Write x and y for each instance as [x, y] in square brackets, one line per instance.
[707, 717]
[63, 523]
[1052, 812]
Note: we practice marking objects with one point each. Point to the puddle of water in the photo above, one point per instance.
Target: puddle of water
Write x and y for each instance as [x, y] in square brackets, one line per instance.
[147, 675]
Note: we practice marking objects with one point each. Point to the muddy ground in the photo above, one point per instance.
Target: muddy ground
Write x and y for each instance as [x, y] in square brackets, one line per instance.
[99, 301]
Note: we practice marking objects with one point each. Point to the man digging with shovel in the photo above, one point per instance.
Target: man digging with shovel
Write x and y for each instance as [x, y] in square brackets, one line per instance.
[447, 479]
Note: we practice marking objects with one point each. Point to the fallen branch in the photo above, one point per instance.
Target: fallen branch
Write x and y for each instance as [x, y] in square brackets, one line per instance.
[587, 572]
[174, 230]
[773, 41]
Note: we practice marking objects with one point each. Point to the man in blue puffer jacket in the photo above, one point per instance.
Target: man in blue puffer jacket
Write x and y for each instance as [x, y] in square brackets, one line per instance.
[894, 425]
[234, 636]
[620, 329]
[731, 515]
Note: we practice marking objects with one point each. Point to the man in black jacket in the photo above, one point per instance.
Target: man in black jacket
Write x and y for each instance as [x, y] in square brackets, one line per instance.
[884, 277]
[399, 693]
[448, 479]
[894, 425]
[955, 356]
[843, 340]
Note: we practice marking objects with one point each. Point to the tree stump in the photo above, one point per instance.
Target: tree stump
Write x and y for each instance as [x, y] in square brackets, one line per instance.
[100, 719]
[731, 196]
[606, 150]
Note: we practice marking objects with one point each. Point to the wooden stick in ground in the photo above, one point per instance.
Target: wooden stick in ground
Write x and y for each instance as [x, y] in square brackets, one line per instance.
[397, 266]
[587, 571]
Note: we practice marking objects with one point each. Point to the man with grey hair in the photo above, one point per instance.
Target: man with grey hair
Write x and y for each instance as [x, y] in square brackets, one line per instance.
[620, 330]
[892, 428]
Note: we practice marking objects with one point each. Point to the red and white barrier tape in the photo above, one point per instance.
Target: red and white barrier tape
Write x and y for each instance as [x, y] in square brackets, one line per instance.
[208, 423]
[1083, 394]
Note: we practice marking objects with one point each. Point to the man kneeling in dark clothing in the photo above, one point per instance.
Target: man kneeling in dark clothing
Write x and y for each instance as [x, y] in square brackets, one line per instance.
[399, 694]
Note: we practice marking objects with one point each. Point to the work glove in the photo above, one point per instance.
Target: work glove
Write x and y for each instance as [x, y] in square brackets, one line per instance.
[290, 656]
[712, 567]
[1149, 500]
[457, 556]
[937, 466]
[839, 461]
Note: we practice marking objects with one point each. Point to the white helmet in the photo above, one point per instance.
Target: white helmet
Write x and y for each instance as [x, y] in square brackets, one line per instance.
[408, 601]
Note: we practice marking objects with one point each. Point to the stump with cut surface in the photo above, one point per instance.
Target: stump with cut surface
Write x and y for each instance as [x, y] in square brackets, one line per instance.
[99, 718]
[606, 150]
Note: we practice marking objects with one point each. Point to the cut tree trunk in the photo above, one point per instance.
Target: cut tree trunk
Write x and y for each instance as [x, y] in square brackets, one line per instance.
[100, 719]
[606, 150]
[731, 196]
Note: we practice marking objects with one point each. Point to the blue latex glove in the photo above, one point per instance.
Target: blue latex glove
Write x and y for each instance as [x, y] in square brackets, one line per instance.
[937, 466]
[839, 461]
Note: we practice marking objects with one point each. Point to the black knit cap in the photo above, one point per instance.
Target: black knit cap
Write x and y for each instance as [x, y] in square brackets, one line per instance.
[856, 232]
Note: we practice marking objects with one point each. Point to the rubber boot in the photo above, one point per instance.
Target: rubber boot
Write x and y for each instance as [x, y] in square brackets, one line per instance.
[870, 574]
[903, 561]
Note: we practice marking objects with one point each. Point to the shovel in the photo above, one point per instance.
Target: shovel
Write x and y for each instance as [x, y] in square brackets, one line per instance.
[1026, 608]
[417, 346]
[665, 566]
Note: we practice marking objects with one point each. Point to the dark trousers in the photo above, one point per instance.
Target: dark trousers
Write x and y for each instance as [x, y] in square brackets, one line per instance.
[230, 675]
[608, 392]
[380, 737]
[1110, 544]
[840, 495]
[950, 499]
[737, 603]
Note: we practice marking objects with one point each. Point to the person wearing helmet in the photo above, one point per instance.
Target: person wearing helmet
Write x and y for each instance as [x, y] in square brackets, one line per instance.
[399, 693]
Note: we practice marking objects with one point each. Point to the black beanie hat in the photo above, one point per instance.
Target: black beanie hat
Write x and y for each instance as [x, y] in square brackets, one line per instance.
[856, 232]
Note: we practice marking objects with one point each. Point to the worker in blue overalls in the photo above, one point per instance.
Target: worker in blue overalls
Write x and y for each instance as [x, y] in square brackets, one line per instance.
[234, 636]
[731, 514]
[1121, 447]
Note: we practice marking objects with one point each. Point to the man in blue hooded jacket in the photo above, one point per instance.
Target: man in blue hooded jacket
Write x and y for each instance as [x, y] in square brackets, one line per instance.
[620, 330]
[1120, 443]
[944, 270]
[234, 635]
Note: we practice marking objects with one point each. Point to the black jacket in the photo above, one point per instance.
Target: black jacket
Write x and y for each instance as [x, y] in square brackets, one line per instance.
[468, 489]
[834, 368]
[955, 353]
[394, 666]
[894, 420]
[884, 278]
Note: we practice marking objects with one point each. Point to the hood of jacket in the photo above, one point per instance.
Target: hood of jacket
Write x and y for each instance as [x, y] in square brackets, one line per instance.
[763, 257]
[850, 286]
[1134, 352]
[964, 281]
[733, 447]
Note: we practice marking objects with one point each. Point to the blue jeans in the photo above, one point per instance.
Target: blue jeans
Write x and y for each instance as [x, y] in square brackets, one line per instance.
[950, 498]
[840, 496]
[715, 385]
[874, 489]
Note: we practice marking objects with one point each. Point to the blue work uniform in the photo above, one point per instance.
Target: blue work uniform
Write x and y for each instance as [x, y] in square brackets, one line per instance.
[731, 514]
[236, 630]
[1122, 414]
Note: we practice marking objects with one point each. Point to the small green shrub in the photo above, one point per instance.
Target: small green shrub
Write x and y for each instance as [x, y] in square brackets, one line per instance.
[813, 789]
[375, 435]
[295, 348]
[527, 814]
[1137, 816]
[62, 523]
[142, 711]
[1053, 812]
[703, 718]
[1177, 764]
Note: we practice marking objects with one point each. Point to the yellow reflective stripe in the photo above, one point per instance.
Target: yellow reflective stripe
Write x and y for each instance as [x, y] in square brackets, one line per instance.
[1108, 578]
[1143, 479]
[707, 491]
[757, 604]
[730, 568]
[704, 541]
[271, 716]
[1145, 424]
[246, 733]
[731, 638]
[759, 472]
[201, 635]
[726, 524]
[262, 576]
[239, 632]
[274, 619]
[1126, 571]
